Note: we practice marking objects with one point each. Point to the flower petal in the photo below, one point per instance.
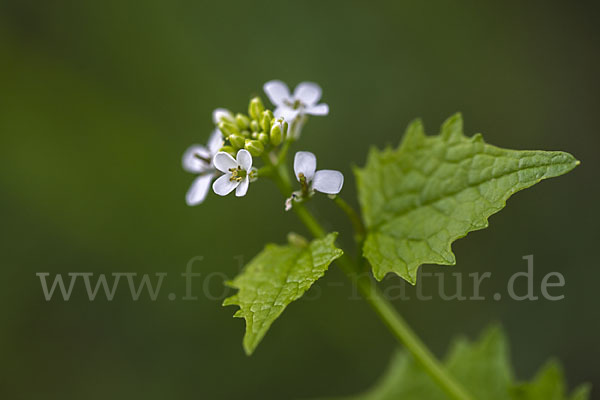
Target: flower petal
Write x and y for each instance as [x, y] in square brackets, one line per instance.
[277, 91]
[319, 109]
[223, 186]
[242, 189]
[194, 164]
[244, 159]
[328, 181]
[219, 113]
[215, 142]
[199, 189]
[223, 161]
[308, 93]
[287, 113]
[305, 163]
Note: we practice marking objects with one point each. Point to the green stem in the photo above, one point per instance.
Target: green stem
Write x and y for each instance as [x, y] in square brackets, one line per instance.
[264, 171]
[402, 331]
[283, 152]
[388, 314]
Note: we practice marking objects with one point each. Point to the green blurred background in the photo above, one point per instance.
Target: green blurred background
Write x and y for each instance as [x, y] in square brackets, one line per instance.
[99, 99]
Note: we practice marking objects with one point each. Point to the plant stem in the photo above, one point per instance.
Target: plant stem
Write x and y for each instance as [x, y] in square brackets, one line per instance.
[388, 314]
[402, 331]
[283, 152]
[384, 309]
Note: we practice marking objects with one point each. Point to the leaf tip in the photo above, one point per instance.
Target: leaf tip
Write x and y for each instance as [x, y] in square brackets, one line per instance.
[582, 392]
[252, 340]
[229, 283]
[297, 240]
[414, 134]
[229, 301]
[452, 128]
[248, 349]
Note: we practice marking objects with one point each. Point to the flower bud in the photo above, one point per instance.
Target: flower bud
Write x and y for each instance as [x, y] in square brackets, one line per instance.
[297, 240]
[285, 128]
[256, 108]
[236, 141]
[265, 122]
[254, 135]
[228, 128]
[222, 114]
[255, 147]
[255, 126]
[229, 149]
[282, 123]
[264, 138]
[276, 134]
[242, 121]
[245, 133]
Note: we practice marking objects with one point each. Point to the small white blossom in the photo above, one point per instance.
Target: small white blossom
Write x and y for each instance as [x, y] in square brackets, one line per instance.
[325, 181]
[237, 173]
[197, 159]
[291, 106]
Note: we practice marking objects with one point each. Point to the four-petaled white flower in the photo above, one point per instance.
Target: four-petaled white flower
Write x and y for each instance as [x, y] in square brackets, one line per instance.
[303, 101]
[325, 181]
[237, 173]
[198, 159]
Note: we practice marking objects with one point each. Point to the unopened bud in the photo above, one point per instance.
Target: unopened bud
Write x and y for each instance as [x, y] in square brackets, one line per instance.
[283, 123]
[285, 128]
[276, 134]
[297, 240]
[256, 108]
[222, 114]
[264, 138]
[265, 122]
[228, 128]
[255, 126]
[255, 147]
[242, 121]
[229, 149]
[237, 141]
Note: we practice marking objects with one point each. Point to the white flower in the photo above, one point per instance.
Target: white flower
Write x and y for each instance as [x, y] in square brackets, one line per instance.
[303, 101]
[325, 181]
[237, 173]
[197, 159]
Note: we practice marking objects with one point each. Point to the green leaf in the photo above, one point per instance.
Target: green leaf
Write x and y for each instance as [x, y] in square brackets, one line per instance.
[432, 190]
[548, 384]
[274, 278]
[483, 368]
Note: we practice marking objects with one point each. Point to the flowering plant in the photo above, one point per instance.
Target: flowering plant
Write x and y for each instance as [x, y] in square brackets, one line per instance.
[415, 201]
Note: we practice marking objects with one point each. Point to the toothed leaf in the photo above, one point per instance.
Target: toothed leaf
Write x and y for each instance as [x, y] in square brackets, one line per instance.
[274, 278]
[432, 190]
[482, 368]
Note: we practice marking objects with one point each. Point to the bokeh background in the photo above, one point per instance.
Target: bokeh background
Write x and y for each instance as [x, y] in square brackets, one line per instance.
[99, 99]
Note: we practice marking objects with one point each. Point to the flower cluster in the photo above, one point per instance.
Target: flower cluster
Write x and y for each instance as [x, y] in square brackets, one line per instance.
[255, 132]
[238, 138]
